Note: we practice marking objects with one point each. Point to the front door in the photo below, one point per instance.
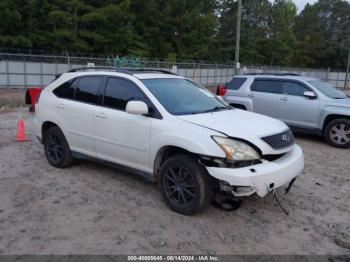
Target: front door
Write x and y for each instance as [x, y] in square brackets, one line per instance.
[121, 137]
[295, 109]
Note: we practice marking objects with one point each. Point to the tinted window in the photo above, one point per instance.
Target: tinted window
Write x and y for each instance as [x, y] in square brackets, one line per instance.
[236, 83]
[87, 89]
[119, 92]
[266, 86]
[294, 89]
[66, 90]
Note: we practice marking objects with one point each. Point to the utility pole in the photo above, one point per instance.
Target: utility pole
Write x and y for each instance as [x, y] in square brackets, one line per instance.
[347, 69]
[238, 35]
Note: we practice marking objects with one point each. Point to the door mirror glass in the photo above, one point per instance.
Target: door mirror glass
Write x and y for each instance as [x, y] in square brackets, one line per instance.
[310, 95]
[136, 108]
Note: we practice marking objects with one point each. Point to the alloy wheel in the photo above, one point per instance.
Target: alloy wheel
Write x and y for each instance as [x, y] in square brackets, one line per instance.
[54, 148]
[340, 134]
[180, 187]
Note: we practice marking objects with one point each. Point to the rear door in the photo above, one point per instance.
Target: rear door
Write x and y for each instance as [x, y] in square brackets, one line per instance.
[266, 94]
[77, 109]
[294, 108]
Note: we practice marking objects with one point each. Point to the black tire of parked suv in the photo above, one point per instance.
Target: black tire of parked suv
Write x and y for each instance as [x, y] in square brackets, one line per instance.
[185, 184]
[56, 147]
[337, 124]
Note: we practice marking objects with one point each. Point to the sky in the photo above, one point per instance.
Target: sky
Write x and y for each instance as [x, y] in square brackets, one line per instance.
[301, 3]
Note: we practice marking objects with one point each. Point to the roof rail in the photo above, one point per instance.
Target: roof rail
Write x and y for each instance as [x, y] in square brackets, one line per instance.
[126, 70]
[107, 68]
[274, 74]
[146, 70]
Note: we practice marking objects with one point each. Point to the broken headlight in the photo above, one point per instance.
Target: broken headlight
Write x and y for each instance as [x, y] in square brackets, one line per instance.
[236, 150]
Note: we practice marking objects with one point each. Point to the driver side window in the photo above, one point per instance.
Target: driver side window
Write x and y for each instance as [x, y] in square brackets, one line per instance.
[294, 89]
[119, 92]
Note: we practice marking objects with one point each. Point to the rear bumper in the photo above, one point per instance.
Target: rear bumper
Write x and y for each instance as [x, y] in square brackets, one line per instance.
[37, 128]
[266, 176]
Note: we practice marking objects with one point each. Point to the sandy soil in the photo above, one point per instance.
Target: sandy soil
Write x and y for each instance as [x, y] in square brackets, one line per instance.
[93, 209]
[10, 98]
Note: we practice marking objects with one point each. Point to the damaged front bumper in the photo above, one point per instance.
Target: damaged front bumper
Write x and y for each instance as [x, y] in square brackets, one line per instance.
[264, 177]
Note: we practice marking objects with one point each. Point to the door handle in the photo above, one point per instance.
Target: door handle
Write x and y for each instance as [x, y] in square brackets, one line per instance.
[101, 115]
[60, 106]
[250, 95]
[284, 98]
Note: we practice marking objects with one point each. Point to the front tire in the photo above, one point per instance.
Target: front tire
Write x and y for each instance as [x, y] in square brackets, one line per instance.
[337, 133]
[56, 147]
[185, 184]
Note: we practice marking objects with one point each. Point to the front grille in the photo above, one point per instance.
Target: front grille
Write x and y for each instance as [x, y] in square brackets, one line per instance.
[281, 140]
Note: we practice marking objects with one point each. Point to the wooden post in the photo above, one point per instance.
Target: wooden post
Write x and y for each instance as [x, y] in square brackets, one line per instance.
[238, 35]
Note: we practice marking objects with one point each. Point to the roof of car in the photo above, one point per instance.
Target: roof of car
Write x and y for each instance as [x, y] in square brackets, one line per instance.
[140, 73]
[155, 75]
[280, 76]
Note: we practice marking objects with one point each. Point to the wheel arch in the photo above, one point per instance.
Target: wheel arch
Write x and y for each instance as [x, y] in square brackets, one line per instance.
[46, 125]
[332, 117]
[165, 152]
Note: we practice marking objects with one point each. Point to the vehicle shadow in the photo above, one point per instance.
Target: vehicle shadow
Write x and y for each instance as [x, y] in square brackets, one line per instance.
[310, 137]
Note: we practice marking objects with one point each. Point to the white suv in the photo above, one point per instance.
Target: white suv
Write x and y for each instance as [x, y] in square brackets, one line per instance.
[170, 128]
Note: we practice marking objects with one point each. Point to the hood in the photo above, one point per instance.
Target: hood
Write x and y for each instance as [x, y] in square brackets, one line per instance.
[341, 102]
[240, 124]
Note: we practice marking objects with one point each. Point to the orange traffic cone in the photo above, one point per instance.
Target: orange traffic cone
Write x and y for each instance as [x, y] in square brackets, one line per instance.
[21, 132]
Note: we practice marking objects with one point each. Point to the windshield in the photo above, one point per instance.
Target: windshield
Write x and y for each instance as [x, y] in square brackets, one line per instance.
[327, 89]
[182, 97]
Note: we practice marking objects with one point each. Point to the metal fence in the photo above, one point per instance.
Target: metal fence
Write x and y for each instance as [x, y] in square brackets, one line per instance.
[23, 70]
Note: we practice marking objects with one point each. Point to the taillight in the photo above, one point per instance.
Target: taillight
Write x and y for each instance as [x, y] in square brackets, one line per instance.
[221, 90]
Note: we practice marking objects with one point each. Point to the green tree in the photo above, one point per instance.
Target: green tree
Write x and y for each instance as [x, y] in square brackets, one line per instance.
[255, 32]
[282, 42]
[10, 25]
[322, 31]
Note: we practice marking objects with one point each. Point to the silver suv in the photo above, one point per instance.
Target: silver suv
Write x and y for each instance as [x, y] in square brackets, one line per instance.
[306, 104]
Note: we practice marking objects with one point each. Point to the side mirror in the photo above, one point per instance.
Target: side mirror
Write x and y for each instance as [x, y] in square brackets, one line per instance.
[136, 108]
[310, 95]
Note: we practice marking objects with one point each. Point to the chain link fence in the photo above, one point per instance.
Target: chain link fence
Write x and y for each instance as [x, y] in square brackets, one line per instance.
[23, 70]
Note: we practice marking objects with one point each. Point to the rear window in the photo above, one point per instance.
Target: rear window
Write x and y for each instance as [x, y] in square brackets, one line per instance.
[87, 88]
[236, 83]
[266, 86]
[66, 90]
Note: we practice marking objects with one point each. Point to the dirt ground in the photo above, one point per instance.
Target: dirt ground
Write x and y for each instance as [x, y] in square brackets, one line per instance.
[93, 209]
[10, 98]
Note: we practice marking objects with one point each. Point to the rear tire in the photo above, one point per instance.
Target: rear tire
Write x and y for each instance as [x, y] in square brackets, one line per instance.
[185, 184]
[337, 133]
[56, 148]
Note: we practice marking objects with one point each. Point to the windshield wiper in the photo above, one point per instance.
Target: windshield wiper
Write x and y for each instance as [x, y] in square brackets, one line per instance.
[217, 108]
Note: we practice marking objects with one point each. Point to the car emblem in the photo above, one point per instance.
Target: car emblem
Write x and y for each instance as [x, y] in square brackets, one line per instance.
[285, 138]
